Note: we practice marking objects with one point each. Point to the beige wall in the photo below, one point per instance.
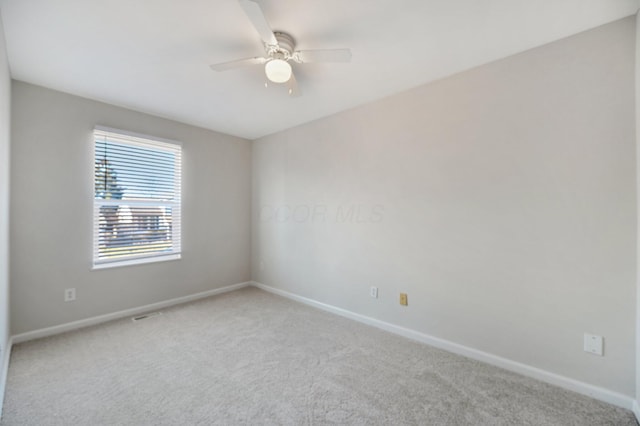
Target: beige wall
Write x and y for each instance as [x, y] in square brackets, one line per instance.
[5, 124]
[51, 209]
[502, 200]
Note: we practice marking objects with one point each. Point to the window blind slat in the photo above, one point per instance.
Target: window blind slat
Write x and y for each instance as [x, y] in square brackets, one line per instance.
[150, 162]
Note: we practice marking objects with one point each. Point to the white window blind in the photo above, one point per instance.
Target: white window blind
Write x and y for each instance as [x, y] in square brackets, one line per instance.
[136, 208]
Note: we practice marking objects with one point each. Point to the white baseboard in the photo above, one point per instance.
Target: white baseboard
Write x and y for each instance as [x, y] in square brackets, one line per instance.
[6, 355]
[636, 410]
[57, 329]
[596, 392]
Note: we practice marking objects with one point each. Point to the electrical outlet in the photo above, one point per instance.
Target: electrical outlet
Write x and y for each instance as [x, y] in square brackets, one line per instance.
[594, 344]
[403, 299]
[374, 292]
[69, 294]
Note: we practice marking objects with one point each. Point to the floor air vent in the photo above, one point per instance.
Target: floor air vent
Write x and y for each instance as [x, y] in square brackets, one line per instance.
[145, 316]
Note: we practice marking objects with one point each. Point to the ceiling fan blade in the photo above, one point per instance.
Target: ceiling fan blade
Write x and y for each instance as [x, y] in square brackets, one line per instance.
[254, 12]
[323, 55]
[292, 87]
[238, 64]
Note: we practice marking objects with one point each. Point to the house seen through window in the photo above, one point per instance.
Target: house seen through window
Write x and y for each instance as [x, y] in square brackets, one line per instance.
[136, 206]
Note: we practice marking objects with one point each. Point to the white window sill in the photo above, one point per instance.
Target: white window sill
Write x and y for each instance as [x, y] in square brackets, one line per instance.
[139, 261]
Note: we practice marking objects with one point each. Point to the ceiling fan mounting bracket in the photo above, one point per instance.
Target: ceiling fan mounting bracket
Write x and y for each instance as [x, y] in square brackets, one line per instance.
[285, 47]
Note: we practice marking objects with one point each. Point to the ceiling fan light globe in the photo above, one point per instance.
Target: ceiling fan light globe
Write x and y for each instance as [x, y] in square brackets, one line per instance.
[278, 70]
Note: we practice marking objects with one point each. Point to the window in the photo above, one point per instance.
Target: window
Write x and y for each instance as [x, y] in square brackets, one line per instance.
[136, 207]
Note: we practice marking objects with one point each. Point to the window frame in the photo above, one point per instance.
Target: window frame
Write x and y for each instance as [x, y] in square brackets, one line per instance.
[146, 141]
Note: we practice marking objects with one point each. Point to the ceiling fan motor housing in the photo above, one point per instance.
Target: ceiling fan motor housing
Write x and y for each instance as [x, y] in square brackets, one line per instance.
[286, 44]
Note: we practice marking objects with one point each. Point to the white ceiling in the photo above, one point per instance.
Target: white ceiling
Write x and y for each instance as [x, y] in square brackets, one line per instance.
[153, 55]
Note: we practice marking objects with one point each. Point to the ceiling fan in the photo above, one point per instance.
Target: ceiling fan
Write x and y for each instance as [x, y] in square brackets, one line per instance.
[280, 50]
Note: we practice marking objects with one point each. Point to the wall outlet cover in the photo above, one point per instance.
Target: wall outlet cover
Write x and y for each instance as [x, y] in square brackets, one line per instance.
[594, 344]
[69, 294]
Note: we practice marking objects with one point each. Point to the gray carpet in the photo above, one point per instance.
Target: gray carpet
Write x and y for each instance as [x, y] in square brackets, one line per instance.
[252, 358]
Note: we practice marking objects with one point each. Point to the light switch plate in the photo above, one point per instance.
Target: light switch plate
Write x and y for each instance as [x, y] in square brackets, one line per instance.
[403, 299]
